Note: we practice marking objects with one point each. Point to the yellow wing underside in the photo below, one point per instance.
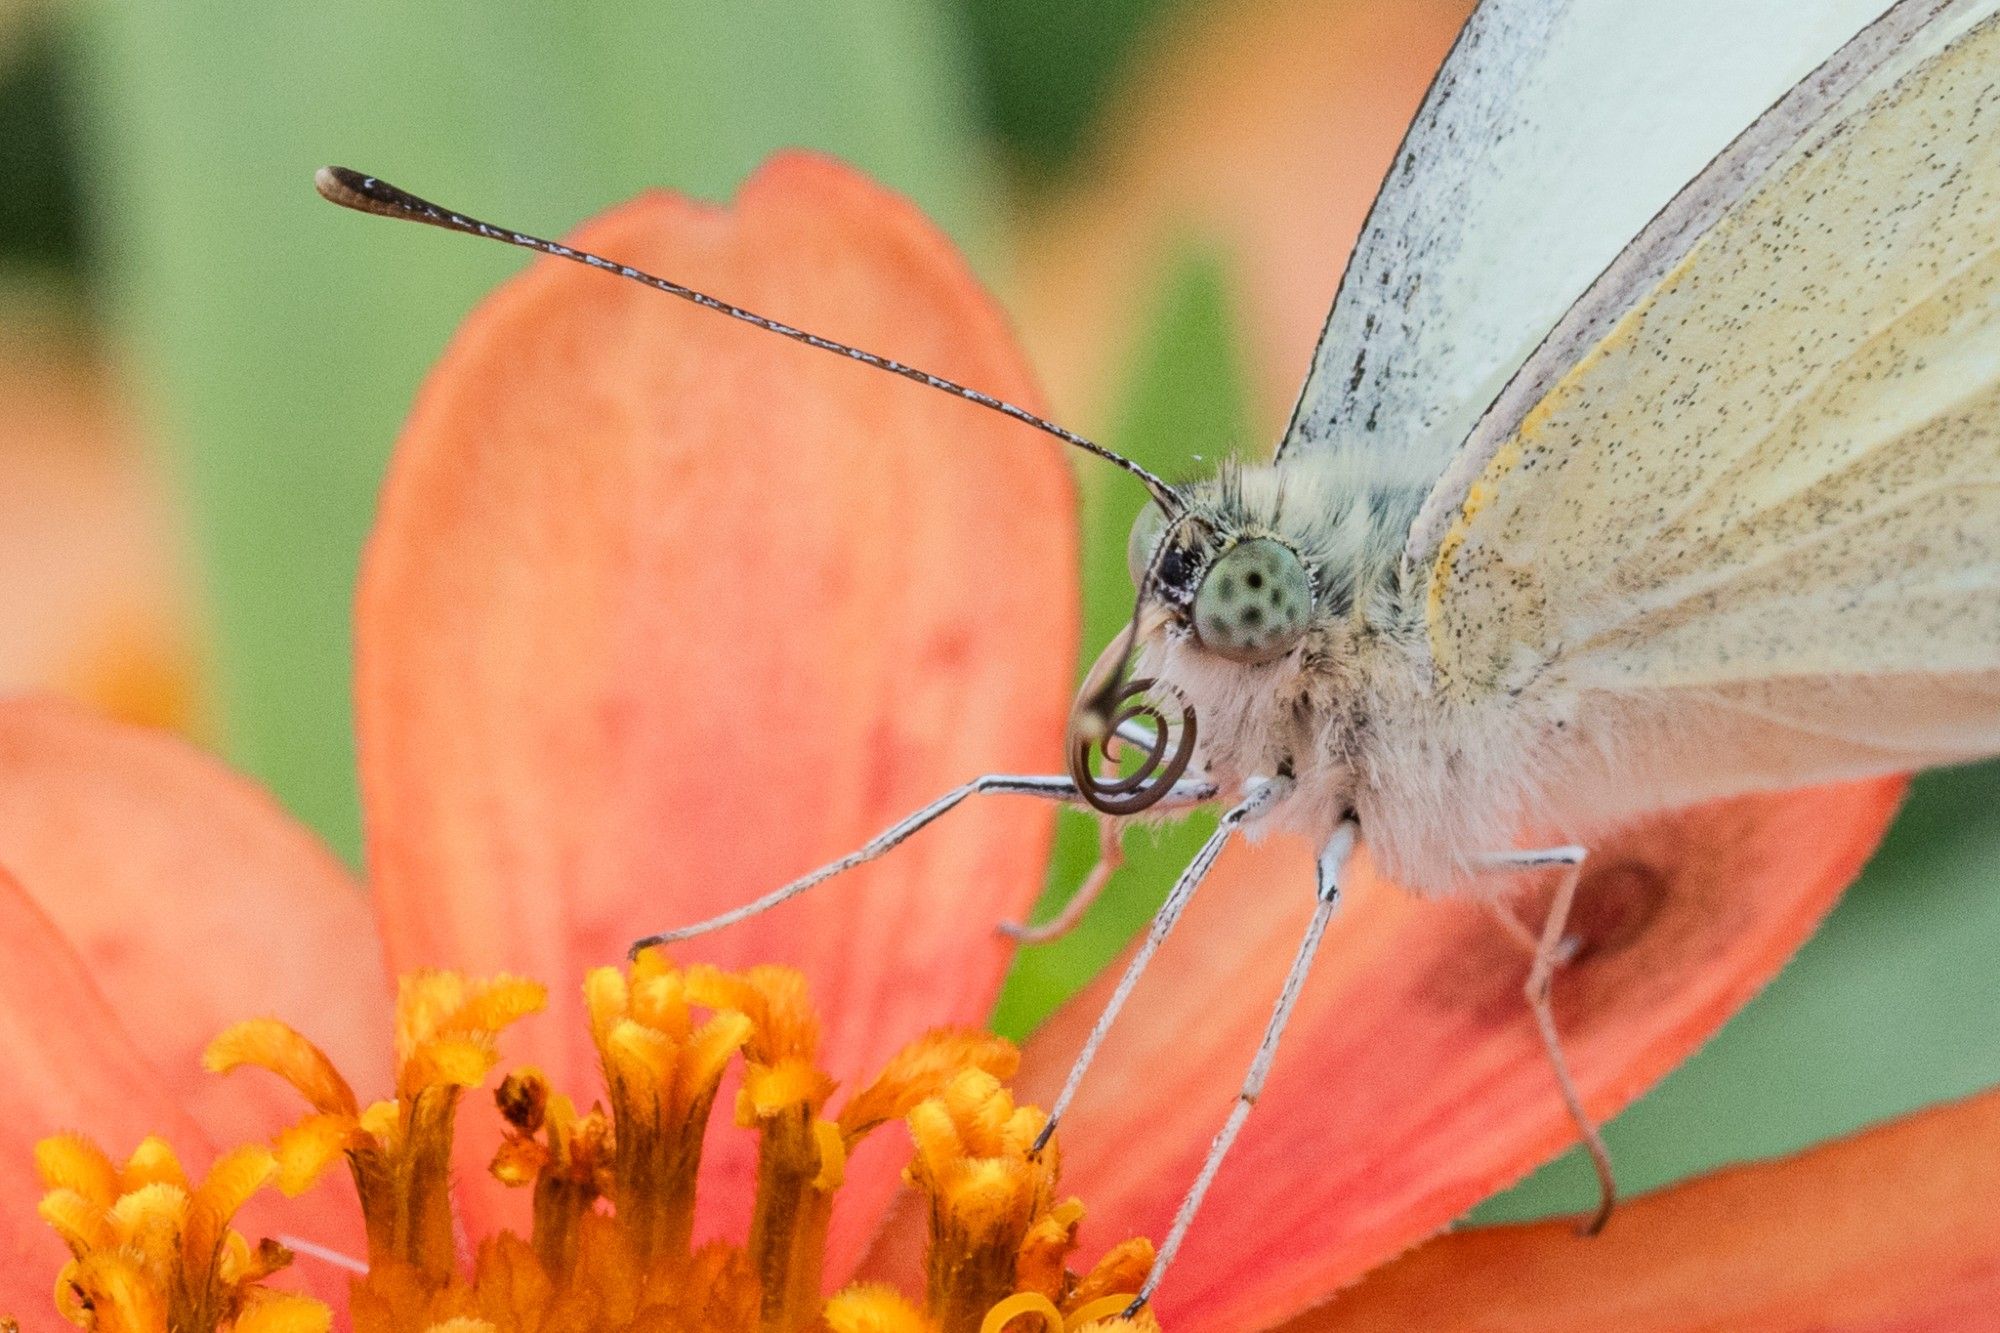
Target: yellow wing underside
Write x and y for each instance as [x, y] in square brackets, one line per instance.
[1762, 516]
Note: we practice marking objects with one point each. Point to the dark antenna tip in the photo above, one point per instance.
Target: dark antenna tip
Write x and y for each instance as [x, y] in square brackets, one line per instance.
[369, 194]
[349, 189]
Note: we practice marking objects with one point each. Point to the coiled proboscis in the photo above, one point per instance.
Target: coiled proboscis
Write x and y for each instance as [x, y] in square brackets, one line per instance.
[1092, 761]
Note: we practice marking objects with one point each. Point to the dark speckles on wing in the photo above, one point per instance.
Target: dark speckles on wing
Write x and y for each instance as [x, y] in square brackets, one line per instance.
[1780, 472]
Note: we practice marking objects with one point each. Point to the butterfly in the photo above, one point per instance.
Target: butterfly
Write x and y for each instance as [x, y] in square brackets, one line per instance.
[1650, 454]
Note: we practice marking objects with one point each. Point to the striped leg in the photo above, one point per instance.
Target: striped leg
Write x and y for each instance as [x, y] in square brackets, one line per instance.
[1550, 949]
[1188, 791]
[1333, 860]
[1261, 798]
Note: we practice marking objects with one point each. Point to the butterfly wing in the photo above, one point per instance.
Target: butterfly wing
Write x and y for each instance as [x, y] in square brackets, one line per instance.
[1753, 528]
[1555, 129]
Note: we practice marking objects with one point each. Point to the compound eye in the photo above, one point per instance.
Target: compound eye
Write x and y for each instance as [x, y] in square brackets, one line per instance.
[1147, 529]
[1254, 602]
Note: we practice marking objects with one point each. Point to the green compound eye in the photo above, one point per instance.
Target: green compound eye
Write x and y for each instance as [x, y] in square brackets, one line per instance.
[1254, 602]
[1147, 529]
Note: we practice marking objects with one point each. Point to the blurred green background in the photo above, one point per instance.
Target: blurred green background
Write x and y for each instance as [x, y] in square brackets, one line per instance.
[154, 211]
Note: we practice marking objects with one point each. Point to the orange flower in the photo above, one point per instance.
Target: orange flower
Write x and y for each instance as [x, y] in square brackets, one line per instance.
[662, 611]
[90, 594]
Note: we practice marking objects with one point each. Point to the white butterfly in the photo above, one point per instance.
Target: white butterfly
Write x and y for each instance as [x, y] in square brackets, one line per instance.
[1638, 465]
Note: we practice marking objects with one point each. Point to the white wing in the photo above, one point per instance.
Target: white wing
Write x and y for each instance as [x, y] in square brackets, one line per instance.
[1554, 131]
[1754, 529]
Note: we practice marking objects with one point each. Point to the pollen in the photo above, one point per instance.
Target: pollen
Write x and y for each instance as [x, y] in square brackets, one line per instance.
[612, 1181]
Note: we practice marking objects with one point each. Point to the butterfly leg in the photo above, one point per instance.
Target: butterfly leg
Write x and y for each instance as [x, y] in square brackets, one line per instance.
[1508, 863]
[1550, 949]
[1263, 795]
[1110, 856]
[1333, 859]
[1188, 791]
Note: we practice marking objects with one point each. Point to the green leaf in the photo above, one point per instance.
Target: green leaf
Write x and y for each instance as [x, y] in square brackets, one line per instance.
[283, 338]
[1186, 408]
[40, 222]
[1044, 67]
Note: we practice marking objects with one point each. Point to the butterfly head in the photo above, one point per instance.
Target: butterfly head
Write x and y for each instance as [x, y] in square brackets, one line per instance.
[1230, 591]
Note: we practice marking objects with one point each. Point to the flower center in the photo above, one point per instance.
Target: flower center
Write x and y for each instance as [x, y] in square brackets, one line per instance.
[613, 1187]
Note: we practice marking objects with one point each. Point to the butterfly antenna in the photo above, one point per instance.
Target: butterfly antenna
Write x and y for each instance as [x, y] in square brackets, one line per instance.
[367, 194]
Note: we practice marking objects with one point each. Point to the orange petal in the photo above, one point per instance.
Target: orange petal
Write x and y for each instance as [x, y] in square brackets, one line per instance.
[1892, 1229]
[1411, 1084]
[1259, 126]
[68, 1064]
[65, 1065]
[193, 900]
[663, 611]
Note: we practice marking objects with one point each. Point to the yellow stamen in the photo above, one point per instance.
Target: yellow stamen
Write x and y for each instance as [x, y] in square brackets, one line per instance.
[868, 1308]
[832, 1156]
[150, 1222]
[613, 1185]
[772, 998]
[662, 1071]
[153, 1256]
[920, 1072]
[774, 1089]
[83, 1225]
[305, 1150]
[283, 1312]
[380, 1120]
[152, 1162]
[71, 1162]
[1041, 1264]
[1023, 1305]
[974, 1160]
[269, 1044]
[399, 1152]
[229, 1185]
[446, 1028]
[111, 1293]
[1118, 1274]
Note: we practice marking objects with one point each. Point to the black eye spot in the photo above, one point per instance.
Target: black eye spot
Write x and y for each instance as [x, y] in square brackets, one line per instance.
[1226, 586]
[1253, 616]
[1255, 578]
